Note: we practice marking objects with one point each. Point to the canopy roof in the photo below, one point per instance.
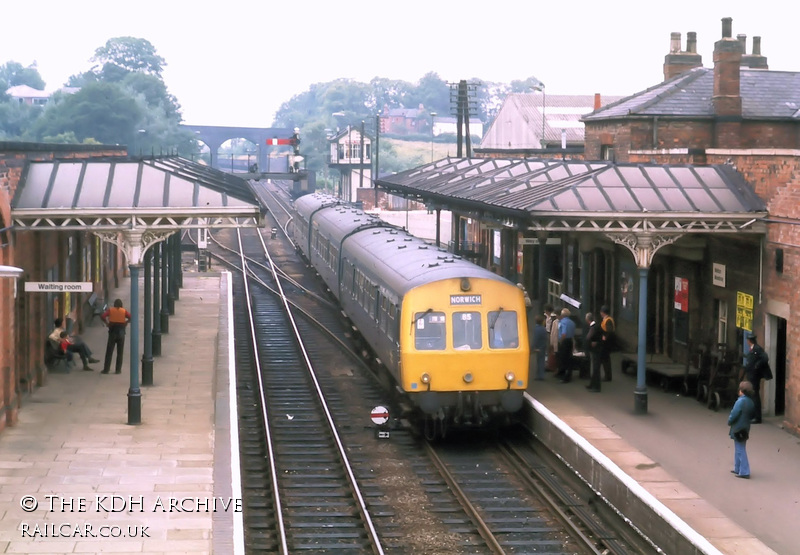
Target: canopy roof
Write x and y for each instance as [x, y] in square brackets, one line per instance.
[573, 195]
[156, 194]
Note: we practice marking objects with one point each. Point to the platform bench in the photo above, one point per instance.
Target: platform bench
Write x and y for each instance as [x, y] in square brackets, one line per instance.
[96, 306]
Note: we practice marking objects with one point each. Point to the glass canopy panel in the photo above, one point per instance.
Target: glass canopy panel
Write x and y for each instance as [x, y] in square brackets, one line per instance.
[64, 185]
[594, 200]
[568, 202]
[151, 194]
[711, 178]
[634, 177]
[676, 200]
[93, 188]
[622, 200]
[181, 192]
[207, 197]
[686, 178]
[123, 186]
[649, 200]
[703, 201]
[36, 183]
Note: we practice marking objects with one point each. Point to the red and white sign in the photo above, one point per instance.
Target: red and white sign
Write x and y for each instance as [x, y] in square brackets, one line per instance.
[276, 141]
[682, 294]
[379, 415]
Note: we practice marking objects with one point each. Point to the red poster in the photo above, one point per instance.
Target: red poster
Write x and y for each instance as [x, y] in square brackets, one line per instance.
[682, 294]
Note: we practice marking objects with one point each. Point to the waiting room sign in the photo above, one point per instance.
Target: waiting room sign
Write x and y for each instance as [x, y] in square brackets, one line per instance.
[58, 286]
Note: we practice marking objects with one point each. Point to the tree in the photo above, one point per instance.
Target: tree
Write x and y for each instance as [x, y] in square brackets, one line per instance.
[16, 119]
[13, 73]
[102, 111]
[123, 55]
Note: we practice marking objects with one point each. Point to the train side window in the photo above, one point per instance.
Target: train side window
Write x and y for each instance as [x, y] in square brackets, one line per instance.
[503, 331]
[467, 331]
[429, 331]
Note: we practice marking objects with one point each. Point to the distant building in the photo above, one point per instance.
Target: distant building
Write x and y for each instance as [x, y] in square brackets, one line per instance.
[533, 121]
[405, 121]
[351, 155]
[35, 97]
[28, 95]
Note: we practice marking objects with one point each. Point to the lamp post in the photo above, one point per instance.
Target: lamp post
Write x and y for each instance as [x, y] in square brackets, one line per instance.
[433, 115]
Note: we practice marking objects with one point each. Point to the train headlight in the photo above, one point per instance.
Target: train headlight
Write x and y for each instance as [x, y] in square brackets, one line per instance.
[425, 378]
[509, 377]
[468, 377]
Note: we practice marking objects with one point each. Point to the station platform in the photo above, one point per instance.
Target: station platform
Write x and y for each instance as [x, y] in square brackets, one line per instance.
[91, 483]
[679, 453]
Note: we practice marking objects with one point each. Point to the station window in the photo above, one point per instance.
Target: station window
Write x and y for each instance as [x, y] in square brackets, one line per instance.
[467, 331]
[503, 331]
[429, 331]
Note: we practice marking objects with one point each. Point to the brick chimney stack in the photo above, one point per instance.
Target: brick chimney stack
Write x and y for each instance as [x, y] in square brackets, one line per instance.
[678, 61]
[597, 101]
[726, 99]
[754, 60]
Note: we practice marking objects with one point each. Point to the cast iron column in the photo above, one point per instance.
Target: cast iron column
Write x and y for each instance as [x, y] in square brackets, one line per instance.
[640, 395]
[134, 393]
[178, 269]
[164, 287]
[157, 299]
[147, 357]
[169, 276]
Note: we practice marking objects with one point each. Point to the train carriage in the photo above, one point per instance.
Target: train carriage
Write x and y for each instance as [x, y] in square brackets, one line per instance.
[452, 335]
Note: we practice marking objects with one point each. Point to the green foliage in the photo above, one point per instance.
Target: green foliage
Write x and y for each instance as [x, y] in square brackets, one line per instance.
[123, 55]
[13, 73]
[102, 111]
[16, 119]
[122, 100]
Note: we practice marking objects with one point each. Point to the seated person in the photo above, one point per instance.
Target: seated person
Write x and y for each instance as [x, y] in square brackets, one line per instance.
[72, 345]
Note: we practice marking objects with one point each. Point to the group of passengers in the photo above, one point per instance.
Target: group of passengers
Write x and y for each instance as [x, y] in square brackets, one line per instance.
[68, 344]
[554, 334]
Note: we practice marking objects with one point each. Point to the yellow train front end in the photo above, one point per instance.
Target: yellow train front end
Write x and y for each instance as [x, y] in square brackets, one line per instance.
[464, 352]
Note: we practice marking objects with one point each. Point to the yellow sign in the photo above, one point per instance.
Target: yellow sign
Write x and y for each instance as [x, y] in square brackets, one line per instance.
[744, 311]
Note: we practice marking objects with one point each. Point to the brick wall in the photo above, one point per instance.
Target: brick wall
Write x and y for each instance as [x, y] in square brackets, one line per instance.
[25, 323]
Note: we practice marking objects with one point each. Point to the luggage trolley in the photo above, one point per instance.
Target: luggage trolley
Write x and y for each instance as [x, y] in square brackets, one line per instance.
[723, 380]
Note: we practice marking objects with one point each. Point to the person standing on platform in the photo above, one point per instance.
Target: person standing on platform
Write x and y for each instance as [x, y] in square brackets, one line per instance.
[739, 421]
[549, 318]
[609, 341]
[540, 344]
[116, 318]
[754, 363]
[593, 347]
[566, 344]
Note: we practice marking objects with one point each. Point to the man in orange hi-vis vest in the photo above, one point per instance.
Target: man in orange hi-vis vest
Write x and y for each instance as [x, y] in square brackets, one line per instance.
[116, 318]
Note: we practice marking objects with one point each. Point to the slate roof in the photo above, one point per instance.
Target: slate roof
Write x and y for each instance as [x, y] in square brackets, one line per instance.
[765, 94]
[575, 188]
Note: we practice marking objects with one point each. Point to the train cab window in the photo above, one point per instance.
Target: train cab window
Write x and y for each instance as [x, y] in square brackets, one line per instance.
[467, 331]
[429, 331]
[503, 331]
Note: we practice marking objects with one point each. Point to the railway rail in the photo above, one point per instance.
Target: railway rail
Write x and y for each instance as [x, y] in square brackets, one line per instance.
[474, 496]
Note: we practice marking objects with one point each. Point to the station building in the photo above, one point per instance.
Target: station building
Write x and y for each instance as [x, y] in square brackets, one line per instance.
[75, 219]
[680, 213]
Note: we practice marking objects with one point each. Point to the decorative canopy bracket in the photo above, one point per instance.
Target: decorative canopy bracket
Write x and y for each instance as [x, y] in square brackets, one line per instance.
[643, 246]
[134, 242]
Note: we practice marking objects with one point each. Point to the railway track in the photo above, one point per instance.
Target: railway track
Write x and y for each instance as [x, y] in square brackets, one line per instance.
[303, 495]
[467, 497]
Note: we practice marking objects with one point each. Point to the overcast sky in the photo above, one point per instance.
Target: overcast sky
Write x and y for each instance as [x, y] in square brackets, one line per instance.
[235, 63]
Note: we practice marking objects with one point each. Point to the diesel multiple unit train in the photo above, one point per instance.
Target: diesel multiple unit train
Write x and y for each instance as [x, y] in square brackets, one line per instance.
[452, 336]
